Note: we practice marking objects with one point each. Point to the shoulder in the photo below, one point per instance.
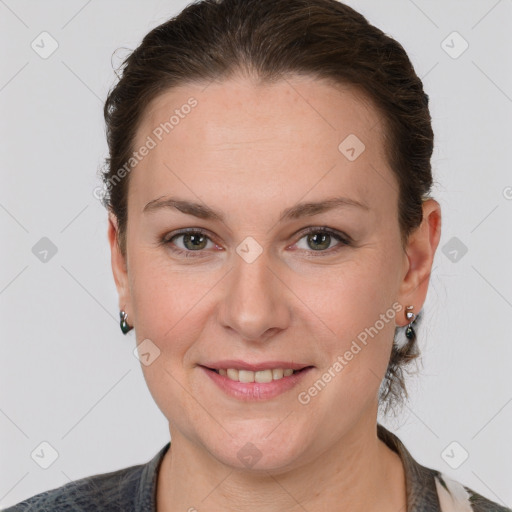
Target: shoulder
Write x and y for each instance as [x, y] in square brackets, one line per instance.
[430, 489]
[127, 489]
[453, 495]
[116, 490]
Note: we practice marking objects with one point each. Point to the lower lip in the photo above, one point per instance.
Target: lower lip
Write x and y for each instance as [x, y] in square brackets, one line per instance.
[250, 391]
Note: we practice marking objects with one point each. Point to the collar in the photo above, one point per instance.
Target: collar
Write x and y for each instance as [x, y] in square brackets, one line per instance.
[145, 498]
[420, 481]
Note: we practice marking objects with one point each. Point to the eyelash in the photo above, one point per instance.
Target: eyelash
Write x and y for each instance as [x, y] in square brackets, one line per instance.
[342, 238]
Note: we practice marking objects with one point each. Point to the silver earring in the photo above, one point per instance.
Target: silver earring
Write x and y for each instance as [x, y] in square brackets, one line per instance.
[409, 315]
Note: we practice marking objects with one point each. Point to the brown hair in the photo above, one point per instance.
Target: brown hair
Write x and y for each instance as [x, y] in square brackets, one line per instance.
[271, 39]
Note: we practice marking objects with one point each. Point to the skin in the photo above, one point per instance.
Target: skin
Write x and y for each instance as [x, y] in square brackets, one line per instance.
[250, 151]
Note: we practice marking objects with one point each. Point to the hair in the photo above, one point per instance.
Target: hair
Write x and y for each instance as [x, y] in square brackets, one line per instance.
[271, 40]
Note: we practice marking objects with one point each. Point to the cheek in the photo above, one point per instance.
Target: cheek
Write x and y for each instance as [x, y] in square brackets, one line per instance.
[159, 299]
[345, 299]
[355, 312]
[166, 301]
[168, 312]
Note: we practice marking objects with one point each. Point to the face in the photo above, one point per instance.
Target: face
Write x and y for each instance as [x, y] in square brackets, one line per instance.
[265, 281]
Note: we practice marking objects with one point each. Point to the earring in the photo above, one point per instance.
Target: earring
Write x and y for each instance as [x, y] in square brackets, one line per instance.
[409, 315]
[124, 324]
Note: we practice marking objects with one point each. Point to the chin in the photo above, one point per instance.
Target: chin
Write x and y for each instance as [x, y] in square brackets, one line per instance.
[258, 445]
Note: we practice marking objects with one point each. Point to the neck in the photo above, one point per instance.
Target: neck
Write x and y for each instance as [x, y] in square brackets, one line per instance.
[358, 473]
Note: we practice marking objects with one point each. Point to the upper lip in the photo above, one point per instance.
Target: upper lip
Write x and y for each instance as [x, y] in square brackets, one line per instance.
[255, 367]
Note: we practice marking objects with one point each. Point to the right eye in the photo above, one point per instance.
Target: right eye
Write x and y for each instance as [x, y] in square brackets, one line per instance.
[193, 240]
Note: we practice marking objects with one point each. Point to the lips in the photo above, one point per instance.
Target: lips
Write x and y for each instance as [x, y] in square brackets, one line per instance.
[250, 385]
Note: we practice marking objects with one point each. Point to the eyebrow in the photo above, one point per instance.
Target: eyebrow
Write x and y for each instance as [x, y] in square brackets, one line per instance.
[294, 212]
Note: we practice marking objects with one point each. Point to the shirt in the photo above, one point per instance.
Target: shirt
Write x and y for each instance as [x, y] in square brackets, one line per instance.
[133, 489]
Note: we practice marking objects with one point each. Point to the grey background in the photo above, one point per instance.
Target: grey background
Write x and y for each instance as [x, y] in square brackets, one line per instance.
[69, 376]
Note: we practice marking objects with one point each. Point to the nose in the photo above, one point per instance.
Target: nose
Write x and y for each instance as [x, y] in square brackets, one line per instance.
[256, 303]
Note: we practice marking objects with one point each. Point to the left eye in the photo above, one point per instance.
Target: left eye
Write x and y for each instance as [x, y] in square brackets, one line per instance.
[320, 239]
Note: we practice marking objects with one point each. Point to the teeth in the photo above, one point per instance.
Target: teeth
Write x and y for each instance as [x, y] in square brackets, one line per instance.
[277, 373]
[261, 376]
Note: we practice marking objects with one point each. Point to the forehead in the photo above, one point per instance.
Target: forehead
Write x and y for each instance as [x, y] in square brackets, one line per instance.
[293, 138]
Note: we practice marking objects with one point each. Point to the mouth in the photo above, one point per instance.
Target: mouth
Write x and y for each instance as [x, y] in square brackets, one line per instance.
[255, 381]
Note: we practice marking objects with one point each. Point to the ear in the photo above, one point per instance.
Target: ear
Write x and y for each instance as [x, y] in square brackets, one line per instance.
[420, 250]
[119, 264]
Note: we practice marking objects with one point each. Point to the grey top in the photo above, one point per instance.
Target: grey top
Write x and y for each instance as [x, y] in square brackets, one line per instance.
[134, 489]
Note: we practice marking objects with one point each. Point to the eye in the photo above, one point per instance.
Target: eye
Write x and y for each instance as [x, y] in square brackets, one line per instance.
[319, 240]
[193, 240]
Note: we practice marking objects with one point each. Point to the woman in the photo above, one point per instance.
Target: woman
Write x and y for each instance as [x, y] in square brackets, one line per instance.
[272, 237]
